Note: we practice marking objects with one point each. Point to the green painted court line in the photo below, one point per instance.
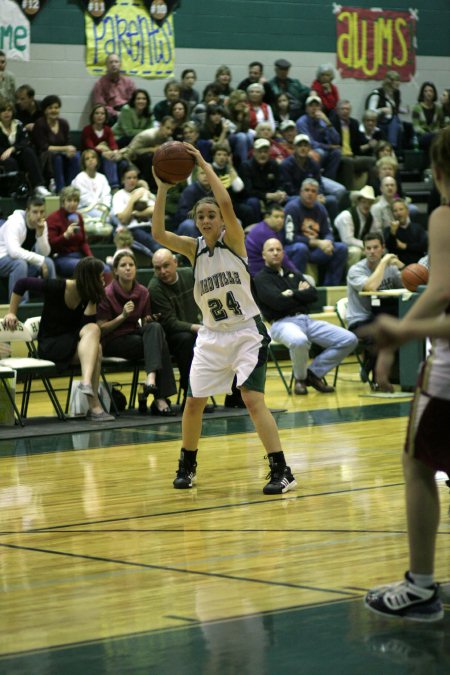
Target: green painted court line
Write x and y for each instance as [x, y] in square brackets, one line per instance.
[211, 427]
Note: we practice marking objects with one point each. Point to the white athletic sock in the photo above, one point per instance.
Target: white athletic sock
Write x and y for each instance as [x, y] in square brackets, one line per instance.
[422, 580]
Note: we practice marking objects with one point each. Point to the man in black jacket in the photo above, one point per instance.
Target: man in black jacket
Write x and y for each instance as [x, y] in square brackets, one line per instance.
[284, 298]
[262, 179]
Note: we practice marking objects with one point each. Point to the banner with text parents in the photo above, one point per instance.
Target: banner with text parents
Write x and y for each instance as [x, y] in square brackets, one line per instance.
[144, 48]
[371, 42]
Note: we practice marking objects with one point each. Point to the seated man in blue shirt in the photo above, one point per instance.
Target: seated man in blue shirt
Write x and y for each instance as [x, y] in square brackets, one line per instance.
[308, 236]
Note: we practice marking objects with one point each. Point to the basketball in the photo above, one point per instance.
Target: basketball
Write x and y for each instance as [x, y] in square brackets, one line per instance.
[414, 275]
[172, 162]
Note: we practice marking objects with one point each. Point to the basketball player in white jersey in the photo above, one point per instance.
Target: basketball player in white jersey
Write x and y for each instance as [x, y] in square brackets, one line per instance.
[427, 448]
[233, 339]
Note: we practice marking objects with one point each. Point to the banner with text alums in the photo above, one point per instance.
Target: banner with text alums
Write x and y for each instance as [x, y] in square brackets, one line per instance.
[14, 31]
[144, 48]
[372, 41]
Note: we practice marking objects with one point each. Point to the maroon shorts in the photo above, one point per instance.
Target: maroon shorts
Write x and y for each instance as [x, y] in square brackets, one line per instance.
[428, 436]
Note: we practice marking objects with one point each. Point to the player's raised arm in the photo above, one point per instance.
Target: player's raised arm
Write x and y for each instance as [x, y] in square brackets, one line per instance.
[175, 242]
[234, 234]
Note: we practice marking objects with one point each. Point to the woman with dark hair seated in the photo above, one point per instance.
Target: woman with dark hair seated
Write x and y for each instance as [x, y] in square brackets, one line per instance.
[59, 158]
[98, 136]
[427, 116]
[179, 111]
[16, 152]
[129, 330]
[67, 332]
[215, 127]
[211, 94]
[134, 117]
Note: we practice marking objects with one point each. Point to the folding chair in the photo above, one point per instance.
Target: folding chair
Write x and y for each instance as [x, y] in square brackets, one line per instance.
[341, 311]
[29, 368]
[32, 326]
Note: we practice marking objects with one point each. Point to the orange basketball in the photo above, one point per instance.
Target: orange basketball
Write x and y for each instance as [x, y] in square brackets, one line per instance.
[414, 275]
[172, 162]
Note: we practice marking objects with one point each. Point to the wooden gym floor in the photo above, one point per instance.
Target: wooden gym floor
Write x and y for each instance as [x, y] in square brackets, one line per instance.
[105, 568]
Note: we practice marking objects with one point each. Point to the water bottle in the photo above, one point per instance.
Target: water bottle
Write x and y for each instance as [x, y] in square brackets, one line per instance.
[415, 143]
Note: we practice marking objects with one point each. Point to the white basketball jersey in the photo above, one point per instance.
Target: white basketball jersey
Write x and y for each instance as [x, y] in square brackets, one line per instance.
[222, 287]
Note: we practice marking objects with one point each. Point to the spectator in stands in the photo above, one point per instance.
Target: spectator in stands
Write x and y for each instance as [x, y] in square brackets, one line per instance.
[269, 228]
[262, 179]
[134, 117]
[278, 150]
[256, 74]
[223, 167]
[188, 93]
[215, 128]
[199, 188]
[240, 137]
[144, 145]
[222, 81]
[67, 332]
[24, 245]
[172, 92]
[385, 101]
[132, 208]
[407, 240]
[113, 90]
[385, 166]
[98, 136]
[384, 149]
[16, 151]
[258, 110]
[382, 211]
[191, 134]
[353, 163]
[179, 111]
[172, 294]
[283, 84]
[95, 195]
[131, 330]
[371, 134]
[59, 157]
[354, 223]
[377, 271]
[288, 132]
[323, 136]
[300, 166]
[28, 110]
[427, 116]
[308, 236]
[66, 233]
[325, 89]
[445, 103]
[284, 298]
[211, 94]
[283, 111]
[7, 82]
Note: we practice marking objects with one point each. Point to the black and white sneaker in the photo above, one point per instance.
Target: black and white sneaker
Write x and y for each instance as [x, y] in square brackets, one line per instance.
[281, 480]
[186, 475]
[406, 600]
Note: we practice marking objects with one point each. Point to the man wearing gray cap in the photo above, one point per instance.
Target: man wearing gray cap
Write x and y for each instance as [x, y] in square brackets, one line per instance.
[295, 90]
[324, 137]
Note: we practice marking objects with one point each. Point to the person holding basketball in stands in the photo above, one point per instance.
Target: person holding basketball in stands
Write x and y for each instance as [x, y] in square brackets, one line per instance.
[232, 340]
